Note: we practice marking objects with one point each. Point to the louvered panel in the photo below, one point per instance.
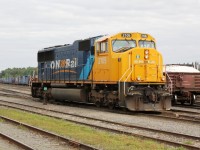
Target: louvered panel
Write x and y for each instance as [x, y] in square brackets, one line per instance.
[197, 80]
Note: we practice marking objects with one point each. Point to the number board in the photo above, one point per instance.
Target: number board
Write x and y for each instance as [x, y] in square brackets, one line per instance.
[144, 35]
[126, 35]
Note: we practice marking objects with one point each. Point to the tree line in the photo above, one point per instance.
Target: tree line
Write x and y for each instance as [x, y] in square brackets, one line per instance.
[15, 72]
[196, 65]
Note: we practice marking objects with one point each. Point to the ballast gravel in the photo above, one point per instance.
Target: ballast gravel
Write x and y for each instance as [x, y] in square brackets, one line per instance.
[31, 138]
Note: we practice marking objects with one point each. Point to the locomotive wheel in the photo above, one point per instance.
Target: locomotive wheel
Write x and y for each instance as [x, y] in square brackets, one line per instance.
[98, 104]
[33, 93]
[111, 105]
[193, 99]
[124, 109]
[174, 99]
[182, 102]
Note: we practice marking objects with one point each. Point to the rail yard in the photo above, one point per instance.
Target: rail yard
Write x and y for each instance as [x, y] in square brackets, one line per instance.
[100, 75]
[127, 91]
[178, 127]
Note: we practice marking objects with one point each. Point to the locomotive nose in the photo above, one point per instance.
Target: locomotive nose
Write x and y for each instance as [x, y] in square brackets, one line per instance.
[147, 66]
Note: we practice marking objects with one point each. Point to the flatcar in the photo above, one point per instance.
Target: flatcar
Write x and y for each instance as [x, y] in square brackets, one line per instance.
[122, 70]
[183, 83]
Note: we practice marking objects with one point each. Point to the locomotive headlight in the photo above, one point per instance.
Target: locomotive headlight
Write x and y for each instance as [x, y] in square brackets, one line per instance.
[146, 52]
[138, 78]
[163, 78]
[146, 56]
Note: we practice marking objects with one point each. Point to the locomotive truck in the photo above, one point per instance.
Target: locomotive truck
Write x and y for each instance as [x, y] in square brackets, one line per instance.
[122, 70]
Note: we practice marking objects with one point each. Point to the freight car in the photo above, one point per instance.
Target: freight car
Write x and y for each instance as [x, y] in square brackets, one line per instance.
[184, 83]
[122, 70]
[20, 80]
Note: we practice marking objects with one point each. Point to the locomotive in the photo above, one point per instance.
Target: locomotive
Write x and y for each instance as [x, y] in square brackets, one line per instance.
[122, 70]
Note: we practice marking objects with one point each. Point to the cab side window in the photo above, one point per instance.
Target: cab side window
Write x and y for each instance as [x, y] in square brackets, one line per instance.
[102, 47]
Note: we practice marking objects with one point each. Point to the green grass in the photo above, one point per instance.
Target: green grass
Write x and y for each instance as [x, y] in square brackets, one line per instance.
[97, 138]
[189, 142]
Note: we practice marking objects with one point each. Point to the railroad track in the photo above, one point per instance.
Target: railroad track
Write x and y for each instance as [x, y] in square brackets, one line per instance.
[170, 115]
[69, 142]
[16, 142]
[14, 86]
[112, 126]
[195, 106]
[15, 92]
[178, 116]
[185, 110]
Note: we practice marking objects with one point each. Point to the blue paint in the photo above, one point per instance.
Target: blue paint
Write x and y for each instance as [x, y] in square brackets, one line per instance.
[52, 61]
[87, 68]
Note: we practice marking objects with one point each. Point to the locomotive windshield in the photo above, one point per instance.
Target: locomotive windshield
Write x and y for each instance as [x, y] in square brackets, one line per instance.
[123, 45]
[147, 44]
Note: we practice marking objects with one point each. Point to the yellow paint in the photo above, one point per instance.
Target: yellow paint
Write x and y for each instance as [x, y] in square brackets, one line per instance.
[127, 66]
[61, 71]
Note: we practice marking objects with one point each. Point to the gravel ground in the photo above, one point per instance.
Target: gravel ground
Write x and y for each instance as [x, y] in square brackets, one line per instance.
[155, 123]
[17, 88]
[33, 139]
[3, 92]
[4, 144]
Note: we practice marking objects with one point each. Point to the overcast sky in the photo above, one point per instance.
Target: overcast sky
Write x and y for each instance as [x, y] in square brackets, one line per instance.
[27, 26]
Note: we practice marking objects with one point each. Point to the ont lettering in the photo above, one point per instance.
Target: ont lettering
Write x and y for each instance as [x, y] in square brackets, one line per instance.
[65, 63]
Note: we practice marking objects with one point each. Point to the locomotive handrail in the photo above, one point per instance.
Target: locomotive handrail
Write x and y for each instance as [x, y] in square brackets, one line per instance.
[124, 75]
[126, 80]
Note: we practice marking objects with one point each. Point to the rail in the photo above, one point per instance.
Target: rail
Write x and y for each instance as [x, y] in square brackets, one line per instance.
[16, 142]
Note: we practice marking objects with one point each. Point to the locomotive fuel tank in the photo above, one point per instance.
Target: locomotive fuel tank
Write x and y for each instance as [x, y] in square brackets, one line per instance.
[69, 94]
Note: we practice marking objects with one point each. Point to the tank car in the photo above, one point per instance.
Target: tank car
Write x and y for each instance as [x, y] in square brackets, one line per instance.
[184, 83]
[121, 70]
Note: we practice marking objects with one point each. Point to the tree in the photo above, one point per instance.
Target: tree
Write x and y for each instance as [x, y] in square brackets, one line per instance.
[14, 72]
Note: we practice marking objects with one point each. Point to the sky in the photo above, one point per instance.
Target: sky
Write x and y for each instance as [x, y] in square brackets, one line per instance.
[27, 26]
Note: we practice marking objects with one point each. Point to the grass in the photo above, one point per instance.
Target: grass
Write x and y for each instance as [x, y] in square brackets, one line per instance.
[97, 138]
[189, 142]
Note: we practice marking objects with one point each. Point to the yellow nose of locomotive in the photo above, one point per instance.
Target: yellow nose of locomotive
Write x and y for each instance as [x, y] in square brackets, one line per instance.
[147, 65]
[128, 57]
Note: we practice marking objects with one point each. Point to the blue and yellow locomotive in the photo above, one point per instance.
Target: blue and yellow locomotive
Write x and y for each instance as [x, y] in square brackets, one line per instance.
[122, 70]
